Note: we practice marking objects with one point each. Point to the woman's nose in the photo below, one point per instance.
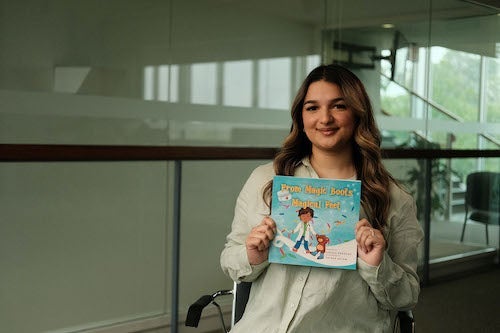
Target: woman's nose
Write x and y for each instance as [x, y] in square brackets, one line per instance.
[326, 116]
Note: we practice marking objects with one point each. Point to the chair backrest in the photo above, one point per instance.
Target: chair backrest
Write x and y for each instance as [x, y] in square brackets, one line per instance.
[483, 191]
[241, 299]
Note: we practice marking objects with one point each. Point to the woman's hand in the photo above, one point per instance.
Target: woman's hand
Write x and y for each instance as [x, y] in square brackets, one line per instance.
[371, 243]
[258, 241]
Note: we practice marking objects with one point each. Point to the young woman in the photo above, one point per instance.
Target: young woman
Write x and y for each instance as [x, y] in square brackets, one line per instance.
[333, 135]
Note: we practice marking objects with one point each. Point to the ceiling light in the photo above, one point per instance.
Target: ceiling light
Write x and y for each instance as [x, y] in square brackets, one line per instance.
[387, 25]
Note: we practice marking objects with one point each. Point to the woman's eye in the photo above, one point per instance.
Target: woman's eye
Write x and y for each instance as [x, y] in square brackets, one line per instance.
[340, 106]
[311, 108]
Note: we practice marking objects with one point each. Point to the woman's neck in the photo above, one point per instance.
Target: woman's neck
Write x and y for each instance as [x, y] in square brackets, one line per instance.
[333, 165]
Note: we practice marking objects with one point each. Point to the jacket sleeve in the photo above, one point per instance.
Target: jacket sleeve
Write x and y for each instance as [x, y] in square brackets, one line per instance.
[394, 282]
[234, 259]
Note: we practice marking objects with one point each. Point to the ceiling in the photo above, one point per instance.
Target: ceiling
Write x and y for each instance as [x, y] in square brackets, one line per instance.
[474, 24]
[357, 13]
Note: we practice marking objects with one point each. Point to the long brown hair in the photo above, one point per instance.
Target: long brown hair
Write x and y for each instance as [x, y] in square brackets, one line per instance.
[375, 179]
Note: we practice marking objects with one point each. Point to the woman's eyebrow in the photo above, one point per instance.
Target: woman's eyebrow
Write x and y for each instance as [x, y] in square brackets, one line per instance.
[338, 99]
[335, 100]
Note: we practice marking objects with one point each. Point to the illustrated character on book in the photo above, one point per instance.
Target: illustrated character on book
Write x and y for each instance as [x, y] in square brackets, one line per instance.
[321, 246]
[304, 228]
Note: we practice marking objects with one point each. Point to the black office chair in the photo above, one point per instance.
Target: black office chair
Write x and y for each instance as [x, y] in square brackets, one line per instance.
[404, 320]
[482, 200]
[240, 292]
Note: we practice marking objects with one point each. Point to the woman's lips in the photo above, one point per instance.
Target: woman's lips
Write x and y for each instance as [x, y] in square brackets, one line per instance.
[327, 131]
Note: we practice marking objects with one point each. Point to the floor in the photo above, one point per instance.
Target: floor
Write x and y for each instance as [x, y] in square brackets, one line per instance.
[445, 248]
[468, 304]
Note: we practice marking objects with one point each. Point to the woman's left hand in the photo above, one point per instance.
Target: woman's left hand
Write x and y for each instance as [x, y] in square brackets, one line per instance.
[371, 243]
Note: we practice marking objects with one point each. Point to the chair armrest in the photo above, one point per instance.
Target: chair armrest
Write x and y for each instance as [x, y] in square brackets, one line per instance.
[194, 312]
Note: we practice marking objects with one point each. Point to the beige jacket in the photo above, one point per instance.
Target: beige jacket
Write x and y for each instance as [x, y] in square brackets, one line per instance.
[287, 298]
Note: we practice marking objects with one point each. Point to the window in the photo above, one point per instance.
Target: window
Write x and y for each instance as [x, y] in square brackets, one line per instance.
[204, 83]
[275, 83]
[237, 83]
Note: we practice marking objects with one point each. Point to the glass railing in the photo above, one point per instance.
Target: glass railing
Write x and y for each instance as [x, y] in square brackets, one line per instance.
[123, 235]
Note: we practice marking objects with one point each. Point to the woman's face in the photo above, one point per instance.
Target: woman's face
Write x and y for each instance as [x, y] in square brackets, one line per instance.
[328, 123]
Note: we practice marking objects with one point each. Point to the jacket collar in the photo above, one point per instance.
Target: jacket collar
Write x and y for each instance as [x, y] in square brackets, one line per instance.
[306, 169]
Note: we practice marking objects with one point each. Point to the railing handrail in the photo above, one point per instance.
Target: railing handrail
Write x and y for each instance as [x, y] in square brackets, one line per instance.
[435, 105]
[441, 109]
[96, 153]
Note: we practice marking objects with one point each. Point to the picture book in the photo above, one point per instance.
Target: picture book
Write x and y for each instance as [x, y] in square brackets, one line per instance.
[315, 220]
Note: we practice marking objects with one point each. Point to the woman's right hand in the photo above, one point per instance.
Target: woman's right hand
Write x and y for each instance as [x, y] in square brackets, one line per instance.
[259, 239]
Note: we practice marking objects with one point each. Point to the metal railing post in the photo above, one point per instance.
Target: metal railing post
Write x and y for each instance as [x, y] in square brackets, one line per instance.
[427, 219]
[176, 246]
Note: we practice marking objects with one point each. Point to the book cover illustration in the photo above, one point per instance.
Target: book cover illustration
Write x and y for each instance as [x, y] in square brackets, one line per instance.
[315, 220]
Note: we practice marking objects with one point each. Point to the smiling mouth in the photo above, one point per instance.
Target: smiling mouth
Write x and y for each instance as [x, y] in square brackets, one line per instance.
[327, 131]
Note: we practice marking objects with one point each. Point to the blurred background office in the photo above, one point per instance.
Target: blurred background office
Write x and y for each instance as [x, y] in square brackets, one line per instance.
[93, 245]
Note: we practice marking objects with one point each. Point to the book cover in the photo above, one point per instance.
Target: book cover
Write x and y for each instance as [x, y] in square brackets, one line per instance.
[315, 220]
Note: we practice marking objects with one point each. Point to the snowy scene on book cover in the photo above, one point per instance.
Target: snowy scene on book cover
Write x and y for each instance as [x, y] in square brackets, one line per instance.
[315, 220]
